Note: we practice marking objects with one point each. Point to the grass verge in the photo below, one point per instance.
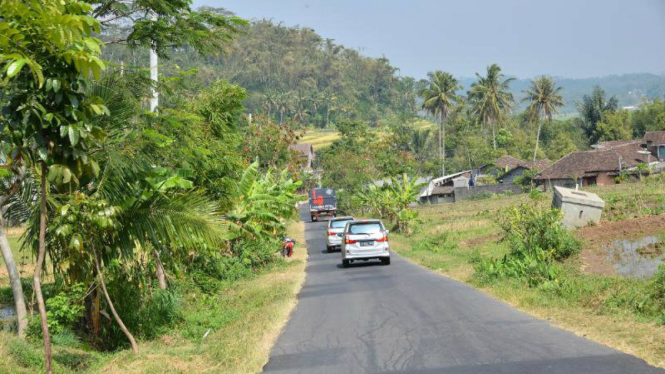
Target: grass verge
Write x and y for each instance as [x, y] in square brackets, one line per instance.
[229, 332]
[602, 307]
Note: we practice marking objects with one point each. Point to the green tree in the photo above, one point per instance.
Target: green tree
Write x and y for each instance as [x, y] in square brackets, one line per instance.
[439, 97]
[592, 110]
[615, 125]
[544, 97]
[166, 24]
[649, 117]
[46, 110]
[490, 97]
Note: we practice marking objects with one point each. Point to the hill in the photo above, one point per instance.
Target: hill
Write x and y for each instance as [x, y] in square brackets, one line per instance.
[629, 89]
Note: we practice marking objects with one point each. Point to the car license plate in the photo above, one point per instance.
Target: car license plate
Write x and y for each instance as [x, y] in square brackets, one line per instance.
[367, 244]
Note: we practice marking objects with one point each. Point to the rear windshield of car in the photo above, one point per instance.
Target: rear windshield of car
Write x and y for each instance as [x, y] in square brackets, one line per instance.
[339, 224]
[365, 228]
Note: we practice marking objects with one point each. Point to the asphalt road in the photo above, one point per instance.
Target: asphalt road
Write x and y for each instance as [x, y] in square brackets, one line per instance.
[402, 318]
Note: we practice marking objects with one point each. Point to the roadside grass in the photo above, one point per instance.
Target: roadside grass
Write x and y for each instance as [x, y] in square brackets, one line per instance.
[229, 332]
[600, 307]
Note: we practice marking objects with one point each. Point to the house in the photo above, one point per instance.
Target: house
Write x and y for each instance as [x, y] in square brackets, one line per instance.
[508, 168]
[654, 142]
[306, 151]
[502, 165]
[442, 189]
[602, 164]
[512, 174]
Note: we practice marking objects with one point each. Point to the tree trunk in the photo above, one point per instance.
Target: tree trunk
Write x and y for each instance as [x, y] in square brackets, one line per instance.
[442, 144]
[161, 277]
[95, 308]
[535, 152]
[493, 134]
[15, 282]
[38, 271]
[130, 337]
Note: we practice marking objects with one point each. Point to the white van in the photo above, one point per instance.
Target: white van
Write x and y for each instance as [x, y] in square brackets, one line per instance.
[365, 240]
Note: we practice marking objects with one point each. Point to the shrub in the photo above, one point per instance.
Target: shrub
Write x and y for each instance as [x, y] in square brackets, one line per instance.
[63, 310]
[147, 316]
[528, 229]
[537, 239]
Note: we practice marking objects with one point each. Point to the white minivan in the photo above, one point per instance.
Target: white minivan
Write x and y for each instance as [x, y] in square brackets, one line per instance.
[334, 232]
[365, 240]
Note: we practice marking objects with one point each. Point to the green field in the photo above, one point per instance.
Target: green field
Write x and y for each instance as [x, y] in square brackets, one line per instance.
[600, 306]
[319, 138]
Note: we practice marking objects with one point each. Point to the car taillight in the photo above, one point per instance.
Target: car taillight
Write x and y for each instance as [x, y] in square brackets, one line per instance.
[384, 239]
[331, 233]
[350, 241]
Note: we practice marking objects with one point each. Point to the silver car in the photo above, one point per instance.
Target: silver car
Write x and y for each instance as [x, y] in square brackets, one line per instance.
[365, 240]
[334, 232]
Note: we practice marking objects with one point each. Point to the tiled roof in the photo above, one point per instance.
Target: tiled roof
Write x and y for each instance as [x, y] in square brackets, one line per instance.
[509, 162]
[611, 144]
[540, 165]
[578, 164]
[654, 137]
[442, 190]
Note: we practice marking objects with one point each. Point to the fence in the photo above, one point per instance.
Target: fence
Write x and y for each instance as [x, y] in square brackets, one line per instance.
[466, 193]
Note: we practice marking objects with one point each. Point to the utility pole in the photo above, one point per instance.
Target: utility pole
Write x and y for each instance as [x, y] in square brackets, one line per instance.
[154, 75]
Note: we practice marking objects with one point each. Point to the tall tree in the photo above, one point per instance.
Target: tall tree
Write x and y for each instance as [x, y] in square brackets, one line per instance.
[439, 97]
[13, 186]
[544, 97]
[592, 110]
[45, 107]
[490, 97]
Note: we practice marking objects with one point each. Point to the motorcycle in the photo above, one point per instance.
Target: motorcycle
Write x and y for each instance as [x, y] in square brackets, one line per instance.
[287, 247]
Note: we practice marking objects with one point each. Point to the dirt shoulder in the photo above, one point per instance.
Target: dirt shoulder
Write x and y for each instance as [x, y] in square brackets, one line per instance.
[594, 256]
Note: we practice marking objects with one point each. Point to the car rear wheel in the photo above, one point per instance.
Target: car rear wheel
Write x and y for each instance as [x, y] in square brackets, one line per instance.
[385, 261]
[314, 219]
[345, 263]
[328, 249]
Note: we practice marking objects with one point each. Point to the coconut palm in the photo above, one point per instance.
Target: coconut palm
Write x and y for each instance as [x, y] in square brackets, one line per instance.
[269, 102]
[490, 98]
[544, 97]
[439, 97]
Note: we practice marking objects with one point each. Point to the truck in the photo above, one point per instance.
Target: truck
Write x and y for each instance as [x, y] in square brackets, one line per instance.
[322, 201]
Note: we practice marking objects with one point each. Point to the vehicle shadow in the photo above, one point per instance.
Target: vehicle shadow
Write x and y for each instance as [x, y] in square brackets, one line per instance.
[362, 264]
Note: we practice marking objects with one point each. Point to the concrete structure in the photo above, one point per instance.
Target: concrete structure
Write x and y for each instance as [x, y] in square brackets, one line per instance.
[579, 208]
[306, 151]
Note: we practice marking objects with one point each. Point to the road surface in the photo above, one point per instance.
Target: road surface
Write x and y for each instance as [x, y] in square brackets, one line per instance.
[403, 318]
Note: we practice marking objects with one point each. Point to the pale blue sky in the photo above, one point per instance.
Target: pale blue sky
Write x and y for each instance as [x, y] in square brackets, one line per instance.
[566, 38]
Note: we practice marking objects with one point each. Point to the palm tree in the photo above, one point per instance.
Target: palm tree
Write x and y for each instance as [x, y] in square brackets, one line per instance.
[269, 102]
[544, 97]
[283, 104]
[438, 98]
[419, 140]
[490, 97]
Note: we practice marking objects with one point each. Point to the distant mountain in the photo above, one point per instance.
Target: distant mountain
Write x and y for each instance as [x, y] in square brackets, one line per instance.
[630, 89]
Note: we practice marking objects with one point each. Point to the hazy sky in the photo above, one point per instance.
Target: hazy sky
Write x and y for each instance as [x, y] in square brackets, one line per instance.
[566, 38]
